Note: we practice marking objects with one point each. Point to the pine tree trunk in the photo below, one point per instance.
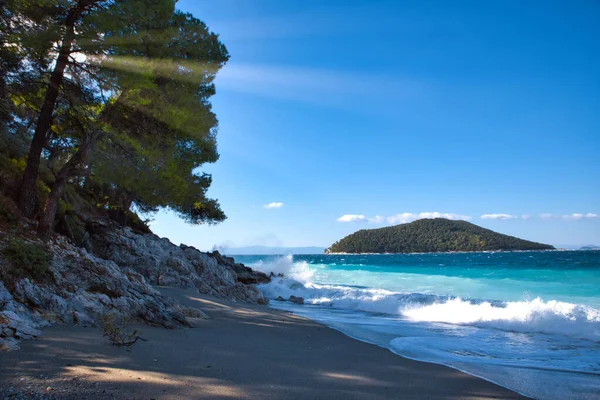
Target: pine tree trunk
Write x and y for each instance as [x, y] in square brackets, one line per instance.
[71, 168]
[27, 192]
[46, 224]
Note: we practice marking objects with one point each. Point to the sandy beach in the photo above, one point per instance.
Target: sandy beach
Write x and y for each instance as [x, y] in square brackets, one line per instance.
[242, 352]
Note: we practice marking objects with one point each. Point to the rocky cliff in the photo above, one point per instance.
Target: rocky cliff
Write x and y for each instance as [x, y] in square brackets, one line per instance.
[114, 274]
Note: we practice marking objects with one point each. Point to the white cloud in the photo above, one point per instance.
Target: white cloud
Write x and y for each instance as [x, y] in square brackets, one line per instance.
[401, 218]
[352, 218]
[569, 217]
[576, 216]
[377, 220]
[276, 204]
[499, 216]
[408, 217]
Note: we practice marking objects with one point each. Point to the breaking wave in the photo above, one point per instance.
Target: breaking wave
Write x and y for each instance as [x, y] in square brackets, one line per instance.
[531, 316]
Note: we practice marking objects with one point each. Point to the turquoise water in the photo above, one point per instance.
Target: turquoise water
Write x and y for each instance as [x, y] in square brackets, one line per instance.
[529, 321]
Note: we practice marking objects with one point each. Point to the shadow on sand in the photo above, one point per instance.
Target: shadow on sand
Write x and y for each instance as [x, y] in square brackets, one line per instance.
[243, 351]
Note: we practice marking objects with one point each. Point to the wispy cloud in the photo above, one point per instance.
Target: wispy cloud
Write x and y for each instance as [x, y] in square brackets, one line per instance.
[323, 87]
[276, 204]
[569, 217]
[576, 216]
[400, 218]
[377, 220]
[499, 216]
[408, 217]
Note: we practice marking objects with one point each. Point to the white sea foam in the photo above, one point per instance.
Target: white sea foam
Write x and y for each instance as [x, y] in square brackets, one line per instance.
[551, 317]
[299, 271]
[534, 316]
[543, 348]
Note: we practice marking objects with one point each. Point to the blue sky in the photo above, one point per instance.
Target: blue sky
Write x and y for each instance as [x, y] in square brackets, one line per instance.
[383, 110]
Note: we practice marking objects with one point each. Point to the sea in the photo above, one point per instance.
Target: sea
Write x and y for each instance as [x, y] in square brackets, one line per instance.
[528, 321]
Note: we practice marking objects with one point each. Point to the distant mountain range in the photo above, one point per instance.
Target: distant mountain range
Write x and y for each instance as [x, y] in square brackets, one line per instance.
[431, 236]
[266, 250]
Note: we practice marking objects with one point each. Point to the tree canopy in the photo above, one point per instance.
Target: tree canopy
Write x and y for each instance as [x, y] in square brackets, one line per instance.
[106, 104]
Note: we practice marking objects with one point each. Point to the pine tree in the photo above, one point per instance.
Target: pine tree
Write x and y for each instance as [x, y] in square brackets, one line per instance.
[116, 96]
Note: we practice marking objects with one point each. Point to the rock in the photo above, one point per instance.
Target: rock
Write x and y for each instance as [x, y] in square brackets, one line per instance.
[8, 344]
[115, 274]
[279, 298]
[245, 274]
[297, 300]
[249, 277]
[160, 262]
[14, 325]
[263, 302]
[5, 296]
[192, 312]
[82, 288]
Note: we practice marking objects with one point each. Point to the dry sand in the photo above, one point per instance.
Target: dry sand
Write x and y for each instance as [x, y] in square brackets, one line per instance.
[242, 352]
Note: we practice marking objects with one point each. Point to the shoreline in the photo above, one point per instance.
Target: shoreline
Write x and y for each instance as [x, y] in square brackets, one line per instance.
[244, 351]
[445, 252]
[428, 362]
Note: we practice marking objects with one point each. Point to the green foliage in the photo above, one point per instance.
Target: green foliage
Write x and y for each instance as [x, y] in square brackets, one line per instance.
[139, 100]
[27, 259]
[116, 329]
[8, 210]
[161, 128]
[10, 172]
[12, 160]
[430, 236]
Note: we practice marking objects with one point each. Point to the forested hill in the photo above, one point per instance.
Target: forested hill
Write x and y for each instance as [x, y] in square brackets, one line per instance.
[431, 236]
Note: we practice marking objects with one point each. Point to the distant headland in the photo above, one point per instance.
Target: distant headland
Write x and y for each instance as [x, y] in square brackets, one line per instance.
[431, 236]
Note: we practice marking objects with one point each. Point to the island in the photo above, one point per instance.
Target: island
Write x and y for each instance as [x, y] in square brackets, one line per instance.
[590, 247]
[431, 236]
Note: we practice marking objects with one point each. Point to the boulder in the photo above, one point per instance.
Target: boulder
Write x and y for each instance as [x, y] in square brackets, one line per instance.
[192, 312]
[248, 276]
[8, 344]
[163, 263]
[297, 300]
[81, 288]
[114, 273]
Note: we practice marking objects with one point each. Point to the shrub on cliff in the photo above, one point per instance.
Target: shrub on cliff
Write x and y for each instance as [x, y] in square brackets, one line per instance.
[28, 260]
[8, 209]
